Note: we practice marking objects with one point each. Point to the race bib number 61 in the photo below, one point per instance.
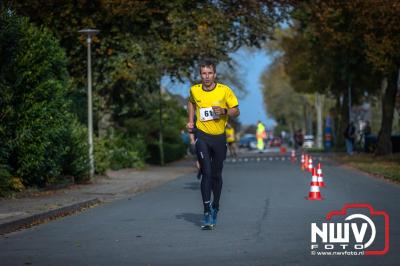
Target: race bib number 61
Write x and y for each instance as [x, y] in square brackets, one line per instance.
[207, 114]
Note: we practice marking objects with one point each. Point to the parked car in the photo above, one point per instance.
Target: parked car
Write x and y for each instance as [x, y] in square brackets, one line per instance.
[308, 141]
[275, 142]
[248, 141]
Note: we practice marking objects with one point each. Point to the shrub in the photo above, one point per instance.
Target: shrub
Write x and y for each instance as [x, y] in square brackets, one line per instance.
[172, 152]
[5, 178]
[39, 139]
[40, 90]
[127, 152]
[119, 151]
[101, 155]
[76, 159]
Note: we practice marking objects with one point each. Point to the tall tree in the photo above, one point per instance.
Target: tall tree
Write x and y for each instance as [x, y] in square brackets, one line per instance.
[370, 27]
[381, 26]
[327, 54]
[283, 103]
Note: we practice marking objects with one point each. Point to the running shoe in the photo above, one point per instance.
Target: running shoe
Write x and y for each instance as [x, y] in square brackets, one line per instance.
[214, 215]
[207, 225]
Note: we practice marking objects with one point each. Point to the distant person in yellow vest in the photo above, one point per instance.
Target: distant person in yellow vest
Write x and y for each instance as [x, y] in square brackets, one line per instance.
[212, 103]
[260, 135]
[230, 138]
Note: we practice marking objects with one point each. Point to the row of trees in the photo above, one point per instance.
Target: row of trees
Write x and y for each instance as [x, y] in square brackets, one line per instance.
[333, 47]
[140, 42]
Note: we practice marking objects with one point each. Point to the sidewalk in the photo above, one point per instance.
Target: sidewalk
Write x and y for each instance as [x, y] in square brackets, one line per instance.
[36, 208]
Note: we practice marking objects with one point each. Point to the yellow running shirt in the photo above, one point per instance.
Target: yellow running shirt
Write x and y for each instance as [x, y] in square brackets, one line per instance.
[222, 96]
[230, 134]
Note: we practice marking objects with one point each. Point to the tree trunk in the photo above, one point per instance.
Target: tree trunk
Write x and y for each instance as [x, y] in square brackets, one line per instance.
[384, 146]
[304, 118]
[341, 120]
[105, 123]
[318, 108]
[309, 120]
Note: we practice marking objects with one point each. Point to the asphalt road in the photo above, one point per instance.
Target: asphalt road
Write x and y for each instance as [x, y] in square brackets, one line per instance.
[264, 220]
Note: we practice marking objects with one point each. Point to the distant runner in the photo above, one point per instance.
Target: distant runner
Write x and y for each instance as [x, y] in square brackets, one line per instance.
[231, 139]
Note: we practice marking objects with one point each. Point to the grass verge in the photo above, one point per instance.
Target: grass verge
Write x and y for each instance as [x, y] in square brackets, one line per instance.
[384, 166]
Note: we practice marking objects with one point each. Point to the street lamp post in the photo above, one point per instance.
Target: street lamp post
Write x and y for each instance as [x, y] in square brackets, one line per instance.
[161, 144]
[89, 34]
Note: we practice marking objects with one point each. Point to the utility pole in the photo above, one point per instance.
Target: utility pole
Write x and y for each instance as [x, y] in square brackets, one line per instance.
[161, 144]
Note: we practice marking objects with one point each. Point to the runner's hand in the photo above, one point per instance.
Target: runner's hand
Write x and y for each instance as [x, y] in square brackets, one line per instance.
[218, 110]
[190, 126]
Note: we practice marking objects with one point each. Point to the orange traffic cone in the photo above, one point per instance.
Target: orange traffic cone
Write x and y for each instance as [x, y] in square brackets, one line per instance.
[314, 193]
[293, 156]
[305, 165]
[302, 160]
[310, 165]
[314, 178]
[320, 176]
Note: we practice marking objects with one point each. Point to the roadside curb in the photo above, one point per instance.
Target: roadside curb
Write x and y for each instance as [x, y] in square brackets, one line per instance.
[45, 216]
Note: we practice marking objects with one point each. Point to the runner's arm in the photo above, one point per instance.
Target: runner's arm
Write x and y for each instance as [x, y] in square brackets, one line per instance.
[190, 121]
[233, 112]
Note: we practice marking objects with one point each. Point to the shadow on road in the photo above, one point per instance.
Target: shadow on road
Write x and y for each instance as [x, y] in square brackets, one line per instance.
[193, 218]
[192, 185]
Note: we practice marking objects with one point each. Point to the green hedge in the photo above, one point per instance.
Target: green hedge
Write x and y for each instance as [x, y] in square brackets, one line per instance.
[40, 140]
[172, 152]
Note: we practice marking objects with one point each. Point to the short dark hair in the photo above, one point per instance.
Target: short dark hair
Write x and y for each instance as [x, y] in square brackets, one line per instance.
[208, 62]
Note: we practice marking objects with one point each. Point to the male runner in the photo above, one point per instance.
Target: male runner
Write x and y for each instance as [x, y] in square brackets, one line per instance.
[213, 103]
